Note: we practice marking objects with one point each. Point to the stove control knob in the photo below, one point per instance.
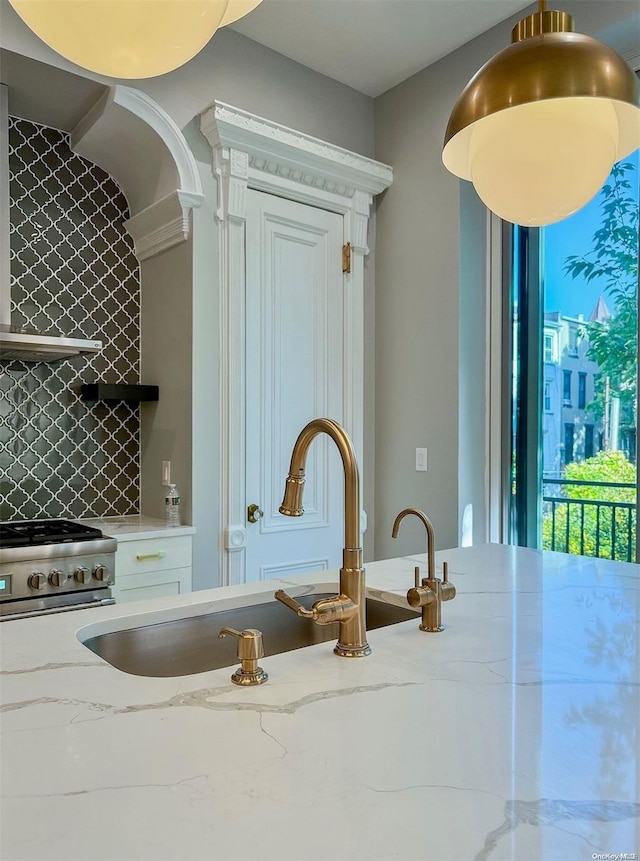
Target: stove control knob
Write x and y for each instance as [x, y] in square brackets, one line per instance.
[57, 578]
[81, 575]
[36, 580]
[101, 572]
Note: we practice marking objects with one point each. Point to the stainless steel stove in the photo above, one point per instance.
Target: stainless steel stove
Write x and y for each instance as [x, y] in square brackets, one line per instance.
[49, 566]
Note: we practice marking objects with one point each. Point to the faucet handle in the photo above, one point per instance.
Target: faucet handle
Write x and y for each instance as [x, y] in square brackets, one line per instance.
[447, 589]
[324, 611]
[429, 596]
[420, 596]
[292, 604]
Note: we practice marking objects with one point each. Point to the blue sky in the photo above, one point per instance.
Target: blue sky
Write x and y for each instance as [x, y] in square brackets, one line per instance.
[574, 236]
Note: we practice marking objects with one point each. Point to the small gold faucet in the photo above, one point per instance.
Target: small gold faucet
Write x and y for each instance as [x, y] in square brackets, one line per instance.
[347, 608]
[433, 591]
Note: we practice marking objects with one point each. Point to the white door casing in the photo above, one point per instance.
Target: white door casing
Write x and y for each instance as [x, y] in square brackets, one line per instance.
[294, 338]
[252, 152]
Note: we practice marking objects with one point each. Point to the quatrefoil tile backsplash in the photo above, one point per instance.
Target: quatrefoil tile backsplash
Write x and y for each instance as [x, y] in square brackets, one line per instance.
[73, 273]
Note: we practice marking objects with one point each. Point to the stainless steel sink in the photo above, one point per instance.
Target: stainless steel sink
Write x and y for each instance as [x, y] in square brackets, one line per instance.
[191, 645]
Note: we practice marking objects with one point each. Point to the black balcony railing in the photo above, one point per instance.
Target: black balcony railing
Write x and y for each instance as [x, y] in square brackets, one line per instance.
[573, 521]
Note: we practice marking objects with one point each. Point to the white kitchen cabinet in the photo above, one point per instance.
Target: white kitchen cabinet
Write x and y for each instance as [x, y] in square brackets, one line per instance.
[152, 560]
[152, 567]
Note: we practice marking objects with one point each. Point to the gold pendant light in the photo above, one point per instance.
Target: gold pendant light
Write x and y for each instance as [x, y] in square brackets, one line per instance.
[129, 38]
[539, 127]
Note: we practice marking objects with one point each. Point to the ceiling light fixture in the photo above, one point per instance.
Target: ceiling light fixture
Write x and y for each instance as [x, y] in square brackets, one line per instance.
[540, 125]
[238, 9]
[129, 38]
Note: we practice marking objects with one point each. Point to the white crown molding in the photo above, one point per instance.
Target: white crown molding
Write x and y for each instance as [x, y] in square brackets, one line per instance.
[292, 155]
[139, 145]
[163, 224]
[249, 152]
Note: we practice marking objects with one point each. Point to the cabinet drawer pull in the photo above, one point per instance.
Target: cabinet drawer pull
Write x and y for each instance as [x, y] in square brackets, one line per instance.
[142, 556]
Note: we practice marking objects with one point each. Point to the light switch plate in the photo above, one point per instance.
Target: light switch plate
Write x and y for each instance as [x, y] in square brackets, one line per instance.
[421, 460]
[166, 472]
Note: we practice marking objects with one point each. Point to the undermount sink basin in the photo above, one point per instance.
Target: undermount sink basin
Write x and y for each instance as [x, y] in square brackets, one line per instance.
[185, 646]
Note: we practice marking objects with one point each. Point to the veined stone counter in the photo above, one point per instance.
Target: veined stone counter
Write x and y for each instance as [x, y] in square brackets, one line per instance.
[511, 735]
[133, 527]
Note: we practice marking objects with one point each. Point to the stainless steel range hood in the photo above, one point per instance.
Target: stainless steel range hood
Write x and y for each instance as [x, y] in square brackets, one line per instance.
[24, 346]
[43, 348]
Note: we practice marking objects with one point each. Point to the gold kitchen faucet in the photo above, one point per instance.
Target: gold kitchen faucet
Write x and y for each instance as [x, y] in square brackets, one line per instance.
[347, 608]
[433, 591]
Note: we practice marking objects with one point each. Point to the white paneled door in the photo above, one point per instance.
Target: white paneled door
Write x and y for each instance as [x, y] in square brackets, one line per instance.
[294, 373]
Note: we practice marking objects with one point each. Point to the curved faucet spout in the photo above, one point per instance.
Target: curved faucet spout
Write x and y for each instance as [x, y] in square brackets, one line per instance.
[431, 540]
[292, 501]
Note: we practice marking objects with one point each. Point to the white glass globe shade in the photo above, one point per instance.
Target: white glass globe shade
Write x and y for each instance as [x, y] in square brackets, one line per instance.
[124, 38]
[540, 162]
[238, 9]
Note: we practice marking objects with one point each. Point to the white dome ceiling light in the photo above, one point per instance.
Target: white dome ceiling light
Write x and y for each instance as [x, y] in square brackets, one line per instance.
[129, 38]
[539, 127]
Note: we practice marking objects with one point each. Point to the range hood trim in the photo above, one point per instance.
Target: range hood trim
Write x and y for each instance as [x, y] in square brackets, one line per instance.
[26, 347]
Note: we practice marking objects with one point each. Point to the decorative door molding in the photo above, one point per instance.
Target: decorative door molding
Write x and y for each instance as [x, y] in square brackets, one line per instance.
[252, 152]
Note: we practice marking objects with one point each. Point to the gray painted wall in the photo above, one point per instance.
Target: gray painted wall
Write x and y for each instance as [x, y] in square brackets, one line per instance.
[430, 352]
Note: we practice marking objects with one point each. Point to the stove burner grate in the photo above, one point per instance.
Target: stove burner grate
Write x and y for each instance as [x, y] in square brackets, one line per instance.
[36, 532]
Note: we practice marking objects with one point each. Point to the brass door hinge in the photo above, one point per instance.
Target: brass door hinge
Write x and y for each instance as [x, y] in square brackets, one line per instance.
[346, 257]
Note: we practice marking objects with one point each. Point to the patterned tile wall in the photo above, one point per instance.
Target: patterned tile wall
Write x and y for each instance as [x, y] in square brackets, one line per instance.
[73, 273]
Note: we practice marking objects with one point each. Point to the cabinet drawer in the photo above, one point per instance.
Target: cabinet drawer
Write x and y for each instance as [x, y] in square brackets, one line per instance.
[153, 554]
[152, 585]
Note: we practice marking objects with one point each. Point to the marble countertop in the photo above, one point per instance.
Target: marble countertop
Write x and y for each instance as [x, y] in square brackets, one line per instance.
[513, 734]
[133, 527]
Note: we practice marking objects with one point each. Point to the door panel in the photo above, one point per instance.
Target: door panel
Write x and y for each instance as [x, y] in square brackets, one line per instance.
[294, 320]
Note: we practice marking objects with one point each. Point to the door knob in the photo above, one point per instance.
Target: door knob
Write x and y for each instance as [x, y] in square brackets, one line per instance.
[254, 513]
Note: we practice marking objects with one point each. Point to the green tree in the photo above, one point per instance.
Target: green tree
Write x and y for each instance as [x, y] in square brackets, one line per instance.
[586, 528]
[613, 260]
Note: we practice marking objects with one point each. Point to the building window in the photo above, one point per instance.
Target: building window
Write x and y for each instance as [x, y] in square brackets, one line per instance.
[569, 432]
[566, 387]
[573, 343]
[588, 441]
[547, 395]
[582, 391]
[548, 349]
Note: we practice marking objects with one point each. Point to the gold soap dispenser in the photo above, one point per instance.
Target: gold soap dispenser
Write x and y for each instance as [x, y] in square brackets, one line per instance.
[250, 650]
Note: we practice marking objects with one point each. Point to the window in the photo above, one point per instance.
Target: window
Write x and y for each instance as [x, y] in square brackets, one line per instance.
[548, 338]
[582, 391]
[549, 353]
[569, 432]
[573, 344]
[588, 441]
[566, 387]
